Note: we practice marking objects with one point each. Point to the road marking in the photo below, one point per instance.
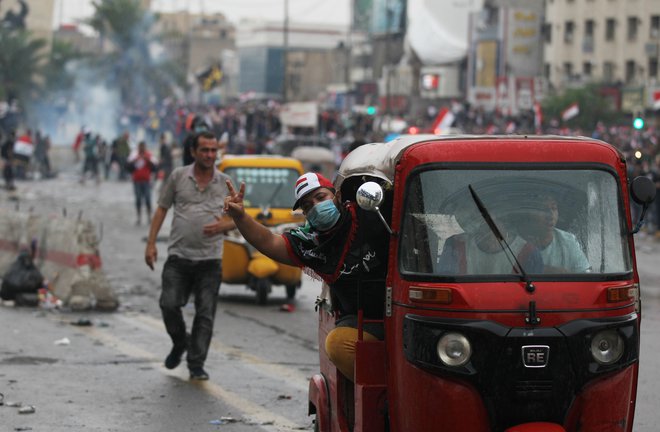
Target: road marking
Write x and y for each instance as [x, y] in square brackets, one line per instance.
[293, 378]
[252, 412]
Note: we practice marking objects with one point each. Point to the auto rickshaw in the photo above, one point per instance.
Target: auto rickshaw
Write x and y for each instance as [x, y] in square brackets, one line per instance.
[268, 198]
[501, 339]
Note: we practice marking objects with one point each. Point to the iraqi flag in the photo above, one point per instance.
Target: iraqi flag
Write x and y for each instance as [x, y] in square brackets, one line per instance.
[443, 121]
[570, 112]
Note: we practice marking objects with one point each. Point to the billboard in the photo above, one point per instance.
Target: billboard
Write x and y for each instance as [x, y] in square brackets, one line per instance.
[523, 55]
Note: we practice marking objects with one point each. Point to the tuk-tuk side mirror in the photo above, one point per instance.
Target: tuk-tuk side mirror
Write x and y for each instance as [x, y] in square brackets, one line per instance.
[369, 196]
[642, 191]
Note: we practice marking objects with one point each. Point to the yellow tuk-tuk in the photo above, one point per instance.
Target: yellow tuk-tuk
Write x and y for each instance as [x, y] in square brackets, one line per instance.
[269, 199]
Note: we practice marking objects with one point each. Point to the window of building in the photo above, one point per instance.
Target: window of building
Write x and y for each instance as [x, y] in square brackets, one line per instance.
[653, 68]
[633, 27]
[587, 69]
[547, 33]
[610, 27]
[546, 71]
[655, 26]
[569, 29]
[589, 28]
[568, 70]
[630, 71]
[608, 72]
[588, 41]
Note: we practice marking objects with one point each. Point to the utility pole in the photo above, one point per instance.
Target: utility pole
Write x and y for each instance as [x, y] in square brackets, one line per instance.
[285, 51]
[386, 60]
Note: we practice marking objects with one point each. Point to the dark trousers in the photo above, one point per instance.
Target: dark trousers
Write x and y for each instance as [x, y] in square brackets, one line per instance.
[142, 191]
[182, 277]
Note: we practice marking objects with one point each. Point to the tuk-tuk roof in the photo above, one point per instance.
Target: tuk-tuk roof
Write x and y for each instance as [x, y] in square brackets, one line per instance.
[313, 154]
[274, 161]
[380, 159]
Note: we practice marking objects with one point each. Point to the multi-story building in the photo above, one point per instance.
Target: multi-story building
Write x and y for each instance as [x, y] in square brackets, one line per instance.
[613, 42]
[313, 53]
[36, 15]
[505, 56]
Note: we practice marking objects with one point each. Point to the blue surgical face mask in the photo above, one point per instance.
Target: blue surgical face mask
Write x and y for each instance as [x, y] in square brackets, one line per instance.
[323, 215]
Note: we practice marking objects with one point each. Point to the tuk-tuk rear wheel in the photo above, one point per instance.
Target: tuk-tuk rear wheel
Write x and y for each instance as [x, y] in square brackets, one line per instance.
[291, 291]
[262, 287]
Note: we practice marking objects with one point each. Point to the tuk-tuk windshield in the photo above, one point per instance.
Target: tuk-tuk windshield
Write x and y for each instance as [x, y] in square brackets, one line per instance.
[265, 187]
[550, 222]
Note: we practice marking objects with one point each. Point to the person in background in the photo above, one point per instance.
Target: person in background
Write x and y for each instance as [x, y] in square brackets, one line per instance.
[120, 151]
[91, 152]
[77, 143]
[194, 266]
[142, 166]
[166, 161]
[7, 152]
[198, 125]
[41, 150]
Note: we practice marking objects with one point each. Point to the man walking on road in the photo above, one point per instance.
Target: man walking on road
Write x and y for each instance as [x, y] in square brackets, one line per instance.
[193, 266]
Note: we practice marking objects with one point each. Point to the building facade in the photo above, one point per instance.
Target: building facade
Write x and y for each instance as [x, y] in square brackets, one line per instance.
[310, 55]
[613, 42]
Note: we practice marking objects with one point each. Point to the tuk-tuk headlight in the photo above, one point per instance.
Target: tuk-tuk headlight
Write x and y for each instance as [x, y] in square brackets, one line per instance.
[454, 349]
[607, 347]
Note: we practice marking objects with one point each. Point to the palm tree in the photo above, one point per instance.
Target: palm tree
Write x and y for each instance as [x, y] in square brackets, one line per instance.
[20, 59]
[129, 66]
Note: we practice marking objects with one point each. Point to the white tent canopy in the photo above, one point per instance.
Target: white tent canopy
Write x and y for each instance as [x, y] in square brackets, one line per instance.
[438, 30]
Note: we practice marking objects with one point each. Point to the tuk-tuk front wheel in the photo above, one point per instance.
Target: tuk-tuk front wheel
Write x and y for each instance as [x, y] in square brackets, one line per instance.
[262, 287]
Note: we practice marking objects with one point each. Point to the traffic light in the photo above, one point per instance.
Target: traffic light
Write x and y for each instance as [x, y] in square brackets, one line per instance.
[371, 110]
[638, 121]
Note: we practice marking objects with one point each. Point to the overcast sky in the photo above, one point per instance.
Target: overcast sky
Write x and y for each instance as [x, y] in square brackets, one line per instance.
[313, 11]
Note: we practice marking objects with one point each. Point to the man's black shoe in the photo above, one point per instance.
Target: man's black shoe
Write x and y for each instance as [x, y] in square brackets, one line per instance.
[173, 359]
[199, 374]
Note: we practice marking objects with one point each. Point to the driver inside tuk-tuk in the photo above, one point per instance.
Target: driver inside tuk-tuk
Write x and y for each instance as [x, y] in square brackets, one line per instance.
[353, 261]
[560, 250]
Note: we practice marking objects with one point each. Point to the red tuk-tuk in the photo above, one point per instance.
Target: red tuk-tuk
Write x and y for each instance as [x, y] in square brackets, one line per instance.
[487, 327]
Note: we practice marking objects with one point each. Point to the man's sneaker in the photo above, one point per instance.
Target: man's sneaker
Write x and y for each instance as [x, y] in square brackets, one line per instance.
[173, 359]
[199, 374]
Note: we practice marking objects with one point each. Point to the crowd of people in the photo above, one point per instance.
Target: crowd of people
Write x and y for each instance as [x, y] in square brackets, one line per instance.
[253, 127]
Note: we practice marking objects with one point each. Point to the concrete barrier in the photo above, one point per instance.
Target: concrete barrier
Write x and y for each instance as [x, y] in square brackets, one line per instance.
[66, 254]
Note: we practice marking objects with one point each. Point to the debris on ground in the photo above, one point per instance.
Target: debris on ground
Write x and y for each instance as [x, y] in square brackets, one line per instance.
[82, 322]
[63, 341]
[28, 409]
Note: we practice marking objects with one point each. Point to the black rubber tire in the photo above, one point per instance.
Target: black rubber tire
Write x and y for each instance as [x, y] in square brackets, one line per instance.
[291, 291]
[262, 287]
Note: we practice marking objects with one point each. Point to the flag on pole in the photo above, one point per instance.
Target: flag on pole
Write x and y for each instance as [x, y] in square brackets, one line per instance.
[443, 121]
[210, 77]
[538, 118]
[570, 112]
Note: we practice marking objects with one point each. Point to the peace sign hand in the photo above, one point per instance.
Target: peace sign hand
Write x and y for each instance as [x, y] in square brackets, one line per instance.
[234, 201]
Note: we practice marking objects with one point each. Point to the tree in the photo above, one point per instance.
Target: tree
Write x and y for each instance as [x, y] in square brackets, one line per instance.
[594, 107]
[20, 59]
[57, 76]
